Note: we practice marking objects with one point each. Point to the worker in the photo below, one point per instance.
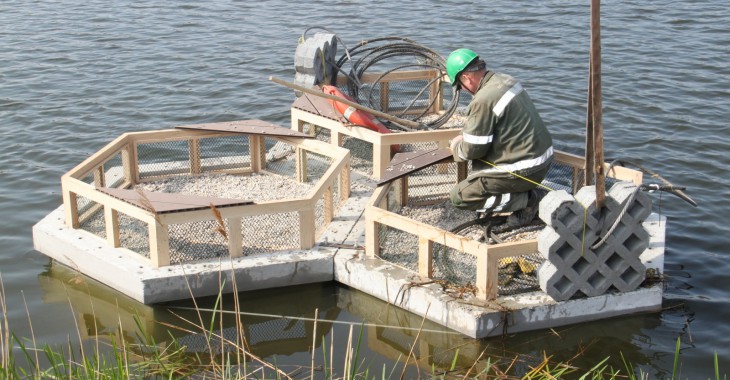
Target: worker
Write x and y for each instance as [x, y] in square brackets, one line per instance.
[505, 139]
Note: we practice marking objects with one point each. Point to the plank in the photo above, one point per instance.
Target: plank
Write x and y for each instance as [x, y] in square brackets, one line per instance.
[251, 127]
[403, 164]
[163, 203]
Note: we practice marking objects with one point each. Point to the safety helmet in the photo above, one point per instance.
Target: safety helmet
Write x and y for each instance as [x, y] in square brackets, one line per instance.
[458, 60]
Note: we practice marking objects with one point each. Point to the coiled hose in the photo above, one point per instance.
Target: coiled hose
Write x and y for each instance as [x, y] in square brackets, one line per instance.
[367, 53]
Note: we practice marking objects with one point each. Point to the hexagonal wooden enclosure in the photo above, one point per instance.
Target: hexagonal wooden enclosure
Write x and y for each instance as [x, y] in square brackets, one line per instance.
[395, 225]
[105, 194]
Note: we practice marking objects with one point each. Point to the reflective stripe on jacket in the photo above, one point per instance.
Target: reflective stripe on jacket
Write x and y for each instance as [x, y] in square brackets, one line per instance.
[503, 128]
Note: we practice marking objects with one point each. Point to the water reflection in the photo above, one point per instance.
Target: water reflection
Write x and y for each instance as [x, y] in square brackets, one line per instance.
[278, 326]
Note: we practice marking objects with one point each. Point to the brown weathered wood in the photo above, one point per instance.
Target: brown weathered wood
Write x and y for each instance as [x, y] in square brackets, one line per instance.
[404, 164]
[194, 156]
[595, 103]
[163, 203]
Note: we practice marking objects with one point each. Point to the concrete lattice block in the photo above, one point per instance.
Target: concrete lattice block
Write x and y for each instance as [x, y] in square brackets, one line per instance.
[575, 264]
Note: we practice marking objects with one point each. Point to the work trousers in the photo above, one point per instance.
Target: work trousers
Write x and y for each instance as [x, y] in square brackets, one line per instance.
[474, 193]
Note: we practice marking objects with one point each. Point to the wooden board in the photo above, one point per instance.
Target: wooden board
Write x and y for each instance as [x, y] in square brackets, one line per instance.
[165, 203]
[250, 127]
[403, 164]
[318, 106]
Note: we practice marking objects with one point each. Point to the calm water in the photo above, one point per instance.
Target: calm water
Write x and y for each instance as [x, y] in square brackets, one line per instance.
[76, 74]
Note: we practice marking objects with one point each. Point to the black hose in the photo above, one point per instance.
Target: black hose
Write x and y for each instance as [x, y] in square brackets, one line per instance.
[370, 52]
[667, 187]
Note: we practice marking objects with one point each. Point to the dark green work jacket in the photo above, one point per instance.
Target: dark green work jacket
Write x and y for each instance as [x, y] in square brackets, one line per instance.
[503, 133]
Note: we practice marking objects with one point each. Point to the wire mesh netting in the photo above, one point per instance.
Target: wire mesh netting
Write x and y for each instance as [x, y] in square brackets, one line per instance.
[428, 202]
[224, 153]
[91, 216]
[280, 158]
[270, 233]
[114, 172]
[134, 235]
[164, 158]
[197, 241]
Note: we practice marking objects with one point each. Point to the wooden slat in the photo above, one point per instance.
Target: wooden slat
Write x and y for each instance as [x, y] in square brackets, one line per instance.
[163, 203]
[249, 127]
[410, 162]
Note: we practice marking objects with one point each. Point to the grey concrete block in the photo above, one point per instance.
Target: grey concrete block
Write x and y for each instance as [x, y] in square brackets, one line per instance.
[576, 265]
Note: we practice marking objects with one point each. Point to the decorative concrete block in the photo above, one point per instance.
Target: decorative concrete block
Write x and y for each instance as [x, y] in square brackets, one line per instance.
[575, 264]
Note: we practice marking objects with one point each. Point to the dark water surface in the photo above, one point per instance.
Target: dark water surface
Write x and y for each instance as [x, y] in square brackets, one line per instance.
[76, 74]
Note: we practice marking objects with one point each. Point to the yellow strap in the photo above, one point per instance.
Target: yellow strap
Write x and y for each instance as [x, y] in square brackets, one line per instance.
[515, 174]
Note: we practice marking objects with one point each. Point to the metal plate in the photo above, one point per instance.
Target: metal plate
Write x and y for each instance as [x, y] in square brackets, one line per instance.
[403, 164]
[166, 203]
[251, 127]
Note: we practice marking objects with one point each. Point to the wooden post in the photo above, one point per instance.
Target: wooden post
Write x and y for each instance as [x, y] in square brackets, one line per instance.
[487, 276]
[194, 156]
[384, 94]
[306, 228]
[425, 257]
[99, 180]
[381, 159]
[111, 223]
[344, 183]
[257, 152]
[129, 163]
[71, 208]
[596, 103]
[159, 244]
[329, 209]
[301, 166]
[235, 237]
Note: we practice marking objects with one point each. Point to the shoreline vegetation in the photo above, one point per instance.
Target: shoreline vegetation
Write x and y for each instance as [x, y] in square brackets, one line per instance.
[116, 357]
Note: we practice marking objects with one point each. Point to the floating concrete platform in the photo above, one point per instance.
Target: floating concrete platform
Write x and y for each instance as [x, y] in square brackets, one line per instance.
[339, 256]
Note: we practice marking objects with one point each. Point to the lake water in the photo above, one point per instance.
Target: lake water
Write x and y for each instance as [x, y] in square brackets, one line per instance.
[76, 74]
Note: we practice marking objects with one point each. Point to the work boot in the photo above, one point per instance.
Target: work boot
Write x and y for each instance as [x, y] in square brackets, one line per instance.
[524, 216]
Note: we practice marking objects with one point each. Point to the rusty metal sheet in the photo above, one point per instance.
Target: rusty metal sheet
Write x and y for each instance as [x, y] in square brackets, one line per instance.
[318, 106]
[251, 127]
[403, 164]
[166, 203]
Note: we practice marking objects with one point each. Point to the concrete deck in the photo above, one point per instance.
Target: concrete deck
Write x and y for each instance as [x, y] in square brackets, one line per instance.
[338, 256]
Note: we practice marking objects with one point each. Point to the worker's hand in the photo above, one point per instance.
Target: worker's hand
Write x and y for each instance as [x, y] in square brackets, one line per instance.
[455, 141]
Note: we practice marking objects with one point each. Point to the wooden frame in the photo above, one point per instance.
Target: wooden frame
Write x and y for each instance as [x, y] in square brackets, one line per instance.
[488, 255]
[381, 142]
[158, 224]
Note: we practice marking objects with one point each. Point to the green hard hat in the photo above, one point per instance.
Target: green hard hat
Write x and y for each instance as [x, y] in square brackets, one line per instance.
[458, 60]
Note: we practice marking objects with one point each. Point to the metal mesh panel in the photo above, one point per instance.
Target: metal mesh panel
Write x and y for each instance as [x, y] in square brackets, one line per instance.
[280, 158]
[398, 247]
[225, 153]
[134, 235]
[317, 165]
[114, 171]
[319, 216]
[197, 241]
[361, 154]
[89, 178]
[432, 183]
[270, 232]
[455, 267]
[91, 216]
[164, 158]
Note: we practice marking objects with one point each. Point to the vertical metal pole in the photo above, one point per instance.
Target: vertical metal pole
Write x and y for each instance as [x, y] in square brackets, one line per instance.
[595, 113]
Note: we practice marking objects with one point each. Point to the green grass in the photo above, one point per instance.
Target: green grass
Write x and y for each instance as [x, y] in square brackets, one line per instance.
[145, 358]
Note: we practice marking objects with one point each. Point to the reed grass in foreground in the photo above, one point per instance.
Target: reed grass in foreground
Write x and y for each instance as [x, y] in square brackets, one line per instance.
[145, 358]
